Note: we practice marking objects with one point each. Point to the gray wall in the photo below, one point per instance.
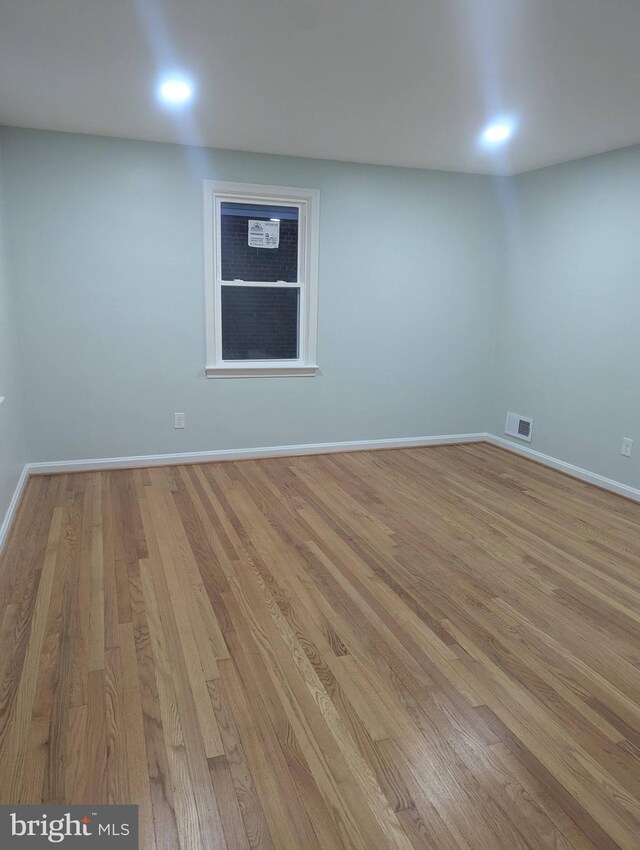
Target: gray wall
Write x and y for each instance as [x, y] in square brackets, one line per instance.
[569, 342]
[106, 242]
[444, 301]
[12, 453]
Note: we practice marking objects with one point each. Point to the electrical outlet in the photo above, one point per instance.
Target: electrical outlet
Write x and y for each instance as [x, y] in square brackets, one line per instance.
[179, 420]
[627, 445]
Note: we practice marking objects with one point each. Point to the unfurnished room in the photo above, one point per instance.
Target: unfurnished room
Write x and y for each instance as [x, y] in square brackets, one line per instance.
[320, 424]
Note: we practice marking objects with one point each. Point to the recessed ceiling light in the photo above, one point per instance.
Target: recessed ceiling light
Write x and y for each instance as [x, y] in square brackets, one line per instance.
[175, 91]
[275, 219]
[497, 133]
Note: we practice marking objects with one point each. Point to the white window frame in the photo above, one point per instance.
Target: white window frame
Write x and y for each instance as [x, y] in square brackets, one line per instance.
[307, 201]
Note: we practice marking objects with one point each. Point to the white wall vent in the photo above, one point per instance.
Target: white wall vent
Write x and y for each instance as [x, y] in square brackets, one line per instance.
[519, 426]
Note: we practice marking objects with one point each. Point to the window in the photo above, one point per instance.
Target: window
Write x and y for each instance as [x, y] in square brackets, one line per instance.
[261, 252]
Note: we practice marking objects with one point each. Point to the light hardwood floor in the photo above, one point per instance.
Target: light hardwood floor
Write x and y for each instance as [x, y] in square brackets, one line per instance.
[422, 648]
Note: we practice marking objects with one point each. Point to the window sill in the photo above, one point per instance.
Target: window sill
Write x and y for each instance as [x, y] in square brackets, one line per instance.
[261, 371]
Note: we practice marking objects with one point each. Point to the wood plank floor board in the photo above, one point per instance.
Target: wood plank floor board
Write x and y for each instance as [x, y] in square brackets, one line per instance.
[433, 648]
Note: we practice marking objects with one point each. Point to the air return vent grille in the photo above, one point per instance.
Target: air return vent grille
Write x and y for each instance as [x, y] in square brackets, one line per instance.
[519, 426]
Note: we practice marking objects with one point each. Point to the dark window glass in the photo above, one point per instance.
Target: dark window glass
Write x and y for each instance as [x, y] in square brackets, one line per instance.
[240, 261]
[260, 322]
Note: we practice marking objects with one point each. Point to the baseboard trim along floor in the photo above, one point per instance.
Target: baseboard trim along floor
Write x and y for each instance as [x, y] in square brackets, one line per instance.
[13, 506]
[142, 461]
[568, 468]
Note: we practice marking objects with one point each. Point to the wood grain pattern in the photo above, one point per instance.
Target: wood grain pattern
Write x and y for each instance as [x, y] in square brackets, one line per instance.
[421, 648]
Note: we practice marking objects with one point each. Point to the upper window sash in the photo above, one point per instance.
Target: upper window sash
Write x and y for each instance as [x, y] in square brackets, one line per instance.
[301, 206]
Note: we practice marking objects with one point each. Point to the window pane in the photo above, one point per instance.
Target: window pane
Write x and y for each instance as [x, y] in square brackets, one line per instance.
[241, 261]
[260, 322]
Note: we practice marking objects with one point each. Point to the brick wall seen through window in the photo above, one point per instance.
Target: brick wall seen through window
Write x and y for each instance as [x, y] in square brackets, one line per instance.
[260, 322]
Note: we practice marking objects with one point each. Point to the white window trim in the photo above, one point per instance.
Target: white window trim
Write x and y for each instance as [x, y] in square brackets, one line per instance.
[309, 201]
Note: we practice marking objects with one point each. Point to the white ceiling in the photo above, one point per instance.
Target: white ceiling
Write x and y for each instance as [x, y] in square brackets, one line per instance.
[398, 82]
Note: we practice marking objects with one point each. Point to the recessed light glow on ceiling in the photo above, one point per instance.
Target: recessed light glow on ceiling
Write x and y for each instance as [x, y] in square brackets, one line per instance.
[175, 91]
[275, 219]
[497, 133]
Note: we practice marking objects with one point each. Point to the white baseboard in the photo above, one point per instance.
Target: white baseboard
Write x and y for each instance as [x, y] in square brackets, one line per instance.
[140, 461]
[13, 506]
[568, 468]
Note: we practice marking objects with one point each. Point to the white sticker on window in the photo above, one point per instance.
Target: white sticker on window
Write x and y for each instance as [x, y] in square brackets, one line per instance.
[264, 234]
